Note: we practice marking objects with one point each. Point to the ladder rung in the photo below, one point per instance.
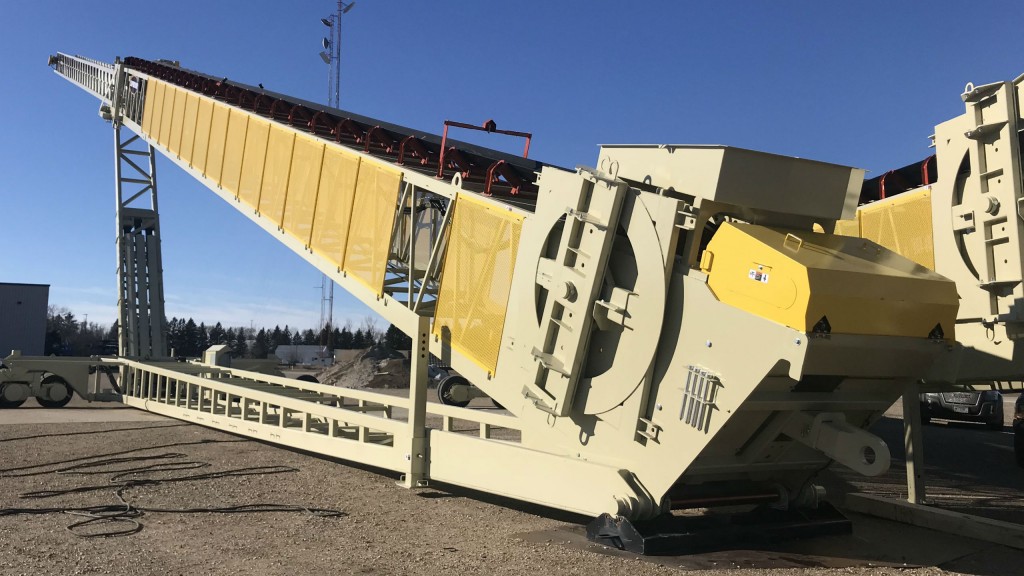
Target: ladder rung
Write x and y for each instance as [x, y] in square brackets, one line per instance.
[577, 252]
[980, 93]
[550, 362]
[984, 130]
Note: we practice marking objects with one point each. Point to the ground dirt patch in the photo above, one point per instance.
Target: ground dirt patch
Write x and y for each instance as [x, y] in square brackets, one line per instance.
[376, 367]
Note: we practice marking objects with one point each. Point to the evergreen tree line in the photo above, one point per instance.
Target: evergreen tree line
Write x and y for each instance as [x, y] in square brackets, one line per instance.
[187, 338]
[66, 335]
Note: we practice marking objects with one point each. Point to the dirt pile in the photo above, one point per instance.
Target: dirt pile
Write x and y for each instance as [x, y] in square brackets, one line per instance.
[376, 367]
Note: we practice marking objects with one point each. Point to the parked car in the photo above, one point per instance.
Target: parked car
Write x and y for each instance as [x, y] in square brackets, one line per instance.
[985, 406]
[1018, 429]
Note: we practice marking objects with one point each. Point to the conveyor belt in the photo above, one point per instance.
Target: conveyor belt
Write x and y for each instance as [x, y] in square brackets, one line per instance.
[512, 176]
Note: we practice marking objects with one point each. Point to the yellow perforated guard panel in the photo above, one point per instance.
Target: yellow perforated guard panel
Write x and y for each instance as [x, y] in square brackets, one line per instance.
[335, 202]
[188, 128]
[482, 245]
[373, 213]
[334, 205]
[275, 173]
[303, 182]
[902, 224]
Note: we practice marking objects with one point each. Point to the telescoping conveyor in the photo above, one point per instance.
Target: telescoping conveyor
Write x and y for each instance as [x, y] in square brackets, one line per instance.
[666, 329]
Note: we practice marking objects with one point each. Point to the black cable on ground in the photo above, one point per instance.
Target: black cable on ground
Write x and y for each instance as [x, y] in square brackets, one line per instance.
[23, 471]
[90, 432]
[124, 478]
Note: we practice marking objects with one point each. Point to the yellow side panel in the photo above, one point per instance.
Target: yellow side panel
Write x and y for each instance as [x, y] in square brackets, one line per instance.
[799, 278]
[234, 145]
[164, 138]
[204, 116]
[148, 108]
[218, 135]
[188, 127]
[177, 121]
[902, 224]
[275, 173]
[848, 227]
[483, 241]
[303, 181]
[334, 204]
[373, 214]
[158, 107]
[256, 137]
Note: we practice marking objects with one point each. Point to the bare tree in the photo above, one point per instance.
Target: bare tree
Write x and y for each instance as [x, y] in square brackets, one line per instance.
[370, 331]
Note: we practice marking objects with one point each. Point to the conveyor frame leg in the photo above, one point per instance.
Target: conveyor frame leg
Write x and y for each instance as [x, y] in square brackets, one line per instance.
[417, 474]
[913, 443]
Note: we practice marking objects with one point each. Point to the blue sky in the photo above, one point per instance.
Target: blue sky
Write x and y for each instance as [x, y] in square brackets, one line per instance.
[857, 83]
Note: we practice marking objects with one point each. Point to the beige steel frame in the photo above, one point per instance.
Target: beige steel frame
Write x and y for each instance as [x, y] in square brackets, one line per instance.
[979, 227]
[618, 447]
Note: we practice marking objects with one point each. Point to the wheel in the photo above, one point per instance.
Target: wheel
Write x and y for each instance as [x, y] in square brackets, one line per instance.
[497, 404]
[313, 379]
[446, 389]
[5, 403]
[996, 423]
[57, 392]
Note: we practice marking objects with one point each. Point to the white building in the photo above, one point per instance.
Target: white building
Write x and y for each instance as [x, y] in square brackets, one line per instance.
[304, 355]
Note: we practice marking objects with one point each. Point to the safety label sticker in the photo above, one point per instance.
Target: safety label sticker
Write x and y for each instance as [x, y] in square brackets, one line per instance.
[758, 276]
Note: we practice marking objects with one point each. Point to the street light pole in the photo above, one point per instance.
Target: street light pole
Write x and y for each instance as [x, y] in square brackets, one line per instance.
[333, 60]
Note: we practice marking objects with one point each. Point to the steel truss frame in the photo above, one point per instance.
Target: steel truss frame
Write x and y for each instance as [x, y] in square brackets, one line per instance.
[141, 319]
[409, 279]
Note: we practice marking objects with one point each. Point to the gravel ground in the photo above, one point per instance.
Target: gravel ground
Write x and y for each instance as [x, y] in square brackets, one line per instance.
[382, 529]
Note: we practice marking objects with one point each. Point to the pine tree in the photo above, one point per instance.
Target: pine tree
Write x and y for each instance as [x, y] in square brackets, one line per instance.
[344, 341]
[395, 339]
[217, 334]
[203, 337]
[230, 338]
[174, 335]
[241, 346]
[326, 337]
[282, 337]
[189, 339]
[261, 345]
[309, 337]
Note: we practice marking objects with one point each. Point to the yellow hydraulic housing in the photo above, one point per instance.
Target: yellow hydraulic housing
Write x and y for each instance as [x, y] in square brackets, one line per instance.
[827, 284]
